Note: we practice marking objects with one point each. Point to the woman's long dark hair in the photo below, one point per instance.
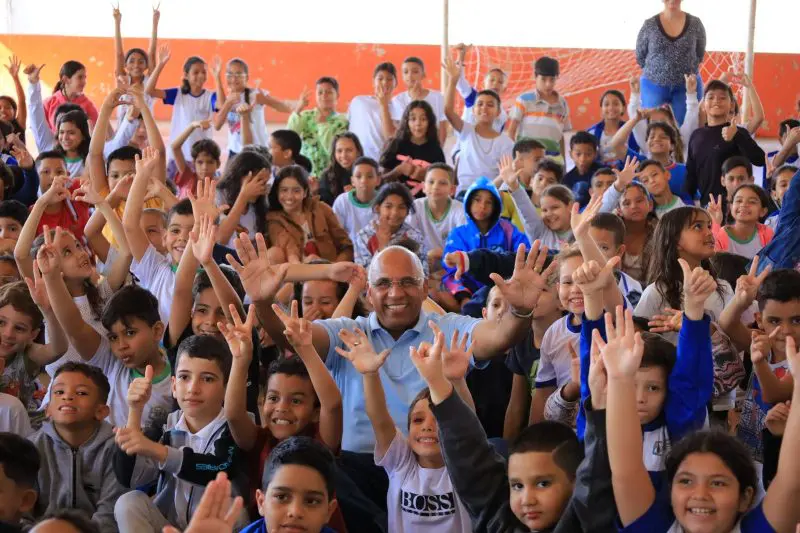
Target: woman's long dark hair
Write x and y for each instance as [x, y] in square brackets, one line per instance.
[81, 122]
[68, 69]
[230, 185]
[663, 268]
[290, 171]
[335, 178]
[403, 132]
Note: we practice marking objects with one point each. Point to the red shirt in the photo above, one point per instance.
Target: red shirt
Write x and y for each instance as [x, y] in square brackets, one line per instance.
[51, 104]
[72, 216]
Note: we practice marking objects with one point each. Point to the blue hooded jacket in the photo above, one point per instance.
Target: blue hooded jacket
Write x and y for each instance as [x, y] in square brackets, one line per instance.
[783, 251]
[501, 237]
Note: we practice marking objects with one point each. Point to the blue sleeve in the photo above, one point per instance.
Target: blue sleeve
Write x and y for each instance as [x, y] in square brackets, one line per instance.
[587, 327]
[657, 519]
[780, 249]
[517, 238]
[469, 101]
[755, 521]
[220, 254]
[691, 383]
[455, 243]
[170, 95]
[30, 187]
[790, 207]
[214, 102]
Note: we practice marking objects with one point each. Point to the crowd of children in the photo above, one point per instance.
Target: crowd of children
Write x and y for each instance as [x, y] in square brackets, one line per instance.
[333, 329]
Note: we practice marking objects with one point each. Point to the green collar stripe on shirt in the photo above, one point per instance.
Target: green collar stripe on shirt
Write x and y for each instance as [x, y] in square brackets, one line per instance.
[167, 372]
[354, 200]
[742, 241]
[73, 159]
[430, 214]
[667, 205]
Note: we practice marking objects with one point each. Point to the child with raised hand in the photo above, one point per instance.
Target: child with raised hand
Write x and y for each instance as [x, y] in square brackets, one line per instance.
[237, 75]
[335, 179]
[388, 226]
[205, 160]
[719, 140]
[415, 465]
[15, 112]
[354, 207]
[711, 479]
[301, 226]
[484, 229]
[25, 309]
[370, 116]
[552, 226]
[413, 148]
[185, 454]
[76, 447]
[542, 114]
[437, 214]
[413, 72]
[191, 101]
[656, 179]
[495, 81]
[133, 63]
[746, 236]
[301, 398]
[69, 89]
[781, 178]
[612, 108]
[533, 491]
[475, 159]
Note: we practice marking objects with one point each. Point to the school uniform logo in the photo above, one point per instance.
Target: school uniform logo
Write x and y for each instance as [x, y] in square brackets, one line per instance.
[428, 505]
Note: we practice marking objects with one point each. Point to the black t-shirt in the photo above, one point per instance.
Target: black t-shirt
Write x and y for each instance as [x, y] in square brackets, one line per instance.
[431, 152]
[252, 373]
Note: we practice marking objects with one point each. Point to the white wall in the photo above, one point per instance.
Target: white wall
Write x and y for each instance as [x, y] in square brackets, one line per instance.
[528, 23]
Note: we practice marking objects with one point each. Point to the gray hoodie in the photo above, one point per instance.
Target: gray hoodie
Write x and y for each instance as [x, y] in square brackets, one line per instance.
[78, 479]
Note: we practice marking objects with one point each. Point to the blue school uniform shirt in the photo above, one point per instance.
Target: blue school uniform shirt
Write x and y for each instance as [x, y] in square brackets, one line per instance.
[766, 181]
[260, 526]
[660, 518]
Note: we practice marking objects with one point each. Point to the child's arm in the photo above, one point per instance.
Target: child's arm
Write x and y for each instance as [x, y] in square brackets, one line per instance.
[153, 46]
[152, 81]
[245, 111]
[22, 109]
[756, 108]
[355, 289]
[240, 340]
[455, 363]
[518, 407]
[137, 238]
[203, 241]
[22, 251]
[731, 318]
[269, 101]
[154, 139]
[119, 53]
[453, 74]
[773, 389]
[298, 333]
[252, 188]
[44, 354]
[633, 490]
[749, 147]
[39, 126]
[788, 148]
[477, 472]
[222, 115]
[780, 503]
[620, 139]
[80, 334]
[690, 385]
[180, 313]
[364, 359]
[219, 87]
[691, 119]
[388, 126]
[95, 160]
[177, 144]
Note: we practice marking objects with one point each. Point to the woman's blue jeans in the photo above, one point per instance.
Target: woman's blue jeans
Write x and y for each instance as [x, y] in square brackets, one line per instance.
[654, 95]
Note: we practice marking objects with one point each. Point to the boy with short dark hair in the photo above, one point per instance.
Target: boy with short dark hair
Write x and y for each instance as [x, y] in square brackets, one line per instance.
[354, 207]
[57, 208]
[712, 144]
[789, 137]
[19, 468]
[655, 179]
[602, 180]
[370, 115]
[299, 472]
[546, 173]
[495, 80]
[413, 72]
[583, 152]
[527, 154]
[184, 455]
[542, 114]
[76, 446]
[13, 215]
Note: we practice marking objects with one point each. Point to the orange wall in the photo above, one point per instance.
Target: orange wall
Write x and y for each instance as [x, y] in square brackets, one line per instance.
[286, 67]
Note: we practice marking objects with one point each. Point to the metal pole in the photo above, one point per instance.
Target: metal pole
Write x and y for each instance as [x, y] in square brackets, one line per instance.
[445, 42]
[749, 57]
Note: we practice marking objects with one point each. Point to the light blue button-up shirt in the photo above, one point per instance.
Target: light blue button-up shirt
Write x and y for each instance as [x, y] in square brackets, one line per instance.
[400, 379]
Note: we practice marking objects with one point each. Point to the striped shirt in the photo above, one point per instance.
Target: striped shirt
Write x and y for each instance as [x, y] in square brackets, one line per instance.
[541, 120]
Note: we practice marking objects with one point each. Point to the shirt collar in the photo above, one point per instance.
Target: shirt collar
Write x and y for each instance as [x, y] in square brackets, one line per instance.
[205, 433]
[419, 327]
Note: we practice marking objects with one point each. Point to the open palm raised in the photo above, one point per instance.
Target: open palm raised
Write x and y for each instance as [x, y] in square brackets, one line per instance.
[261, 280]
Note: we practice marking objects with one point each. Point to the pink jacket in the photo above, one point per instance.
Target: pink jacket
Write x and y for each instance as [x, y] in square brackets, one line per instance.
[723, 240]
[51, 104]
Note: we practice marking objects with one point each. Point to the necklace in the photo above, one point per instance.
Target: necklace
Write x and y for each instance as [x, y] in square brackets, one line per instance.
[480, 146]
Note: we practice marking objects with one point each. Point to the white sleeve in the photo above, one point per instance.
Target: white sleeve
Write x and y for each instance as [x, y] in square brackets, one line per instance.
[13, 416]
[650, 303]
[640, 129]
[610, 200]
[37, 120]
[149, 268]
[692, 119]
[463, 87]
[123, 135]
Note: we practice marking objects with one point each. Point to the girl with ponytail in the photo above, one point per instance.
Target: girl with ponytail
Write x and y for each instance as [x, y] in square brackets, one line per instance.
[69, 90]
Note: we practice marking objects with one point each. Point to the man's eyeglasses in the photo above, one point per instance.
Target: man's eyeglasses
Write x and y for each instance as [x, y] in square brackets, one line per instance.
[384, 284]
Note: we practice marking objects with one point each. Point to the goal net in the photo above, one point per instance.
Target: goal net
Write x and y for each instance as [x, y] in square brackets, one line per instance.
[582, 70]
